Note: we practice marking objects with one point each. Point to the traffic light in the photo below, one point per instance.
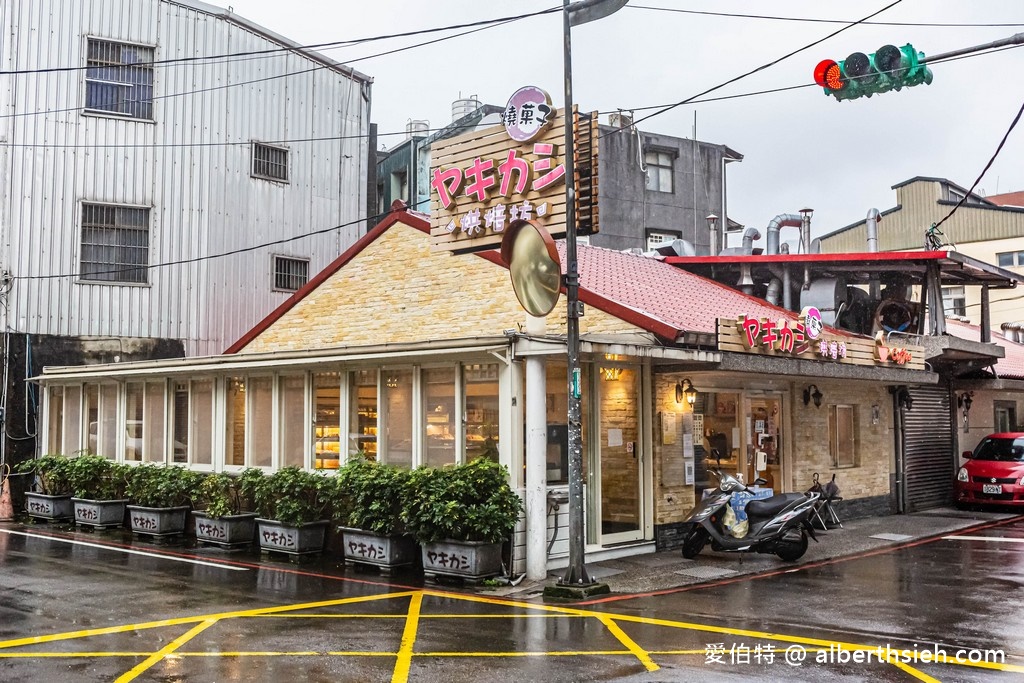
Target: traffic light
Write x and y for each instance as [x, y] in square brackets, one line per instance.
[861, 75]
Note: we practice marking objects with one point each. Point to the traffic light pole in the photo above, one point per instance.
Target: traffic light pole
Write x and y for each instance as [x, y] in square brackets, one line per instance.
[1017, 39]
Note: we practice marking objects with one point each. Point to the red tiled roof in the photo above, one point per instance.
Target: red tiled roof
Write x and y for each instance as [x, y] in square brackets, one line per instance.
[665, 293]
[1007, 198]
[1009, 367]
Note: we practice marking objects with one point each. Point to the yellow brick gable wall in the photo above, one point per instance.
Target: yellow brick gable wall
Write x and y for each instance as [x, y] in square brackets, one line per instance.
[397, 290]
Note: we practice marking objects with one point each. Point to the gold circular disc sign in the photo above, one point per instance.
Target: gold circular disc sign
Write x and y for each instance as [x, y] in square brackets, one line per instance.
[533, 265]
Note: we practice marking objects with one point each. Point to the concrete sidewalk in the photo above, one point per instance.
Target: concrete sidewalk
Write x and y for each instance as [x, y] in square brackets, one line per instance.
[668, 569]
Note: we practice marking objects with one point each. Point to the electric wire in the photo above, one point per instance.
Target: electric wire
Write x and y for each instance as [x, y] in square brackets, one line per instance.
[826, 21]
[288, 74]
[756, 70]
[297, 49]
[999, 148]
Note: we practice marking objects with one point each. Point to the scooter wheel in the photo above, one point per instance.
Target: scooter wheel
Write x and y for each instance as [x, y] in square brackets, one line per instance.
[694, 543]
[792, 550]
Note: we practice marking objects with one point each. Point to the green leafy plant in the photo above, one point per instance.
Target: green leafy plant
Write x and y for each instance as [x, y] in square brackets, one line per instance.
[159, 486]
[51, 474]
[94, 477]
[290, 495]
[471, 502]
[220, 495]
[375, 493]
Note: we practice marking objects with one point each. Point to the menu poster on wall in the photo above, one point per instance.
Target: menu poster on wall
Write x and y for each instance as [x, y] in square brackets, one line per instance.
[698, 424]
[614, 438]
[668, 428]
[688, 446]
[689, 472]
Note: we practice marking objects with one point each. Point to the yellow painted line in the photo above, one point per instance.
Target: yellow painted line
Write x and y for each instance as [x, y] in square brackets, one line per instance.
[158, 656]
[422, 616]
[404, 660]
[177, 621]
[70, 655]
[919, 675]
[630, 644]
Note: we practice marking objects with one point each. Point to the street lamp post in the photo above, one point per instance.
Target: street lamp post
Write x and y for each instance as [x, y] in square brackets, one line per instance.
[574, 14]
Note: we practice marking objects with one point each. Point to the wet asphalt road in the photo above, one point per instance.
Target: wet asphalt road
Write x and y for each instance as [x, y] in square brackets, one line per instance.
[73, 612]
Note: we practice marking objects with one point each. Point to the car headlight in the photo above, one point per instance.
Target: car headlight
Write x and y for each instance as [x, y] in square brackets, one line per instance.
[1022, 481]
[962, 474]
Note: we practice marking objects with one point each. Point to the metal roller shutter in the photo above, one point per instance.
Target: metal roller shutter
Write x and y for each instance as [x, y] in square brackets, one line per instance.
[928, 449]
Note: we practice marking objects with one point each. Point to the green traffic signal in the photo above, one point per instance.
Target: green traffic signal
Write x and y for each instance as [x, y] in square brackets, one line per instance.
[861, 75]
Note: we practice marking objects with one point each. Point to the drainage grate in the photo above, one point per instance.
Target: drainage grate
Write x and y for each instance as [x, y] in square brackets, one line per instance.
[892, 537]
[706, 572]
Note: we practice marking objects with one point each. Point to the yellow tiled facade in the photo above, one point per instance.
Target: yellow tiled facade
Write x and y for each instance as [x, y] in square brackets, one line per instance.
[397, 290]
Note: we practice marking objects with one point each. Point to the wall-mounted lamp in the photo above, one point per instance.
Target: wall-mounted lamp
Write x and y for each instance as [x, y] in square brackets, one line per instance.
[611, 374]
[685, 390]
[815, 395]
[903, 398]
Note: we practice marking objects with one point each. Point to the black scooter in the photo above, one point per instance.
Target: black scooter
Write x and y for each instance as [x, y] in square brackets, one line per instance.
[778, 525]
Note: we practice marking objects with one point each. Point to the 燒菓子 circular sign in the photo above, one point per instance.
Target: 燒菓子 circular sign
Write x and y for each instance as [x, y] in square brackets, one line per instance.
[529, 112]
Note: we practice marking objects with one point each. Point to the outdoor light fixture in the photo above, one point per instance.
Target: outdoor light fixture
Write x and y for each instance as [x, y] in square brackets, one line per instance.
[965, 400]
[685, 390]
[815, 395]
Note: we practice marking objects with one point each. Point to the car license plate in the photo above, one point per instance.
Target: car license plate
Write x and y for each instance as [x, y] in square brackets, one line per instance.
[991, 488]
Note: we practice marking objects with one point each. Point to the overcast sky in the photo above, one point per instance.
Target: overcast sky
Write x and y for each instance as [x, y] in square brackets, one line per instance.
[800, 147]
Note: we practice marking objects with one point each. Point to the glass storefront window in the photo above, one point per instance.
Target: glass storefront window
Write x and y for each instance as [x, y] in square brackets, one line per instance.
[481, 418]
[101, 419]
[201, 435]
[179, 423]
[398, 416]
[72, 441]
[362, 421]
[327, 419]
[153, 424]
[261, 425]
[235, 436]
[292, 420]
[55, 407]
[133, 421]
[438, 386]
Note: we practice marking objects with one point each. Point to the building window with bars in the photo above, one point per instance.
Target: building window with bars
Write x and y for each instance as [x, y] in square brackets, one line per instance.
[115, 243]
[290, 274]
[119, 79]
[269, 163]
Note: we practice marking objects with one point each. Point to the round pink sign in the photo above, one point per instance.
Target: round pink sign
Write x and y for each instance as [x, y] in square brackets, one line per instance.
[528, 113]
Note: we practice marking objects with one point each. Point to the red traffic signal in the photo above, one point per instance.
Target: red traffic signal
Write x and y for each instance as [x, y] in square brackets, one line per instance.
[828, 74]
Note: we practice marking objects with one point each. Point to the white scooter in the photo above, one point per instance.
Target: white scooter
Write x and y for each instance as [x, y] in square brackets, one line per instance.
[778, 525]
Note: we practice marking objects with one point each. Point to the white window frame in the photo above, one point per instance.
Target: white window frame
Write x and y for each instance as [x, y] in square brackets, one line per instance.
[834, 410]
[126, 85]
[280, 259]
[954, 300]
[264, 167]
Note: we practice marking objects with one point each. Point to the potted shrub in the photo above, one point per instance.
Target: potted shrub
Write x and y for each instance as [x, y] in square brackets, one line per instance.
[50, 497]
[98, 488]
[222, 521]
[160, 498]
[374, 531]
[291, 505]
[461, 515]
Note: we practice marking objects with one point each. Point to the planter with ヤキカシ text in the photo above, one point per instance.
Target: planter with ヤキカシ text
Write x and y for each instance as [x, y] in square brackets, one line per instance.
[99, 514]
[303, 539]
[380, 550]
[473, 560]
[229, 531]
[43, 506]
[157, 522]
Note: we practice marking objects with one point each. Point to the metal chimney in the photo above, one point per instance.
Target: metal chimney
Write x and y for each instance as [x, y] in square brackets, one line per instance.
[871, 224]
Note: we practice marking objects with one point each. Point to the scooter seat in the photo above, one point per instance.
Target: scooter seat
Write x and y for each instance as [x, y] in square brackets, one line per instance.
[764, 509]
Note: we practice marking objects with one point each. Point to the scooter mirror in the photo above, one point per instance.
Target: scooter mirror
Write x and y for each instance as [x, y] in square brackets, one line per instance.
[760, 481]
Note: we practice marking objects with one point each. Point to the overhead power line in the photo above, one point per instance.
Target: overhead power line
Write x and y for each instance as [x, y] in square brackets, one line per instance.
[760, 68]
[298, 49]
[826, 21]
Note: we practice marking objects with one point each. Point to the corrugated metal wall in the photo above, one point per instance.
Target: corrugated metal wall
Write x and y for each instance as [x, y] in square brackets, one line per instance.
[929, 465]
[202, 198]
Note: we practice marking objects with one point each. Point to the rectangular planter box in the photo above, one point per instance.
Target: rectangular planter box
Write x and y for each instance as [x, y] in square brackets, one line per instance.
[231, 531]
[99, 514]
[157, 522]
[306, 539]
[473, 560]
[387, 552]
[43, 506]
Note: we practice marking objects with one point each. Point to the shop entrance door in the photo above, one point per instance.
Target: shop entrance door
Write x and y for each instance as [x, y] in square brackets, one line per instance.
[764, 443]
[617, 459]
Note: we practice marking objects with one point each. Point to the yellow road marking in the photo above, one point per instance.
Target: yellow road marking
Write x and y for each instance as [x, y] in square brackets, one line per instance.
[920, 675]
[630, 644]
[414, 614]
[164, 651]
[404, 660]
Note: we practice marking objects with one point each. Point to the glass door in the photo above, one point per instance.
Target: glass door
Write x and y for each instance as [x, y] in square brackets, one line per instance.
[619, 462]
[764, 443]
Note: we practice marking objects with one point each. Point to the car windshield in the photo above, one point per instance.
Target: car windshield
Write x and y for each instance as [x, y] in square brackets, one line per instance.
[1008, 450]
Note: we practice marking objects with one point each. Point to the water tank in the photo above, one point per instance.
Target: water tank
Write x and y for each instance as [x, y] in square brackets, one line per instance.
[464, 106]
[417, 127]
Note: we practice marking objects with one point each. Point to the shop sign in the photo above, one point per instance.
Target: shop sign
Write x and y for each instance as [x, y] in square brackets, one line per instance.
[900, 355]
[483, 181]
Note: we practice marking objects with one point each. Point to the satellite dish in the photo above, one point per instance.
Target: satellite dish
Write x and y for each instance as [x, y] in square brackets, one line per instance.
[533, 265]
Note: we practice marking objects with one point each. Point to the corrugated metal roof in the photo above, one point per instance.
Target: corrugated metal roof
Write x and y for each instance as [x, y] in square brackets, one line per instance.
[1008, 198]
